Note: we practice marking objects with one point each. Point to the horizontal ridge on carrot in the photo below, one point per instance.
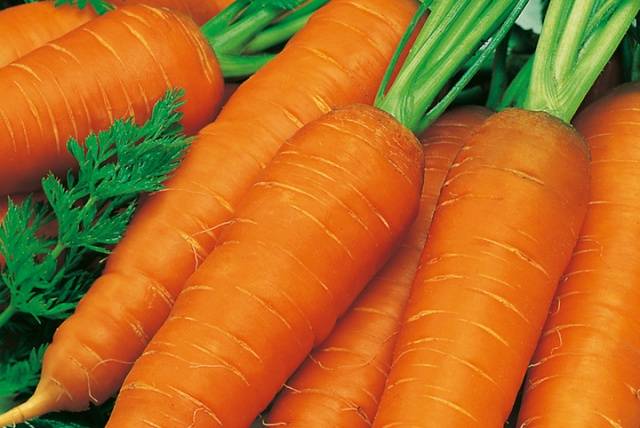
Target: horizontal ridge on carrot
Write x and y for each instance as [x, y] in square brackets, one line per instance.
[585, 371]
[349, 200]
[340, 384]
[174, 230]
[506, 223]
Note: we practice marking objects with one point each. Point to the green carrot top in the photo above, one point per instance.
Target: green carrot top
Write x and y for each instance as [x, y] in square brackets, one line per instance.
[455, 32]
[578, 39]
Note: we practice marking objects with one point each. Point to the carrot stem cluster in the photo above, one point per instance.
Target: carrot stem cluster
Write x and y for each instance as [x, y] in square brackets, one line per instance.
[453, 33]
[578, 38]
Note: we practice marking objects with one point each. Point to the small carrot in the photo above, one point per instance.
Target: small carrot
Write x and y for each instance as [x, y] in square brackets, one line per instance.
[177, 228]
[506, 223]
[341, 383]
[328, 199]
[287, 268]
[585, 371]
[28, 26]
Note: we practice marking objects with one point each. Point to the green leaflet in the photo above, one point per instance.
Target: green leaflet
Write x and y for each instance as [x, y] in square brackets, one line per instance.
[100, 6]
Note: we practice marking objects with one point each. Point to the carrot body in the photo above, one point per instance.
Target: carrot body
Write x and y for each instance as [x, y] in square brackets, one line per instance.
[175, 229]
[340, 385]
[506, 222]
[115, 66]
[339, 194]
[26, 27]
[585, 372]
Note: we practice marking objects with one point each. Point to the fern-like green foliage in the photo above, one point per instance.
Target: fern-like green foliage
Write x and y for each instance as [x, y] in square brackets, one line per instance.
[48, 271]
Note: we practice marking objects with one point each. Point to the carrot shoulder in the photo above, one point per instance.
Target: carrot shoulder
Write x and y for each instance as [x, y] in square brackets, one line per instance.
[177, 228]
[350, 183]
[86, 79]
[506, 222]
[340, 384]
[26, 27]
[585, 372]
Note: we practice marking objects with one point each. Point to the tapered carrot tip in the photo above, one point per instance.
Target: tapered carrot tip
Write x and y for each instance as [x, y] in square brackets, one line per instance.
[47, 398]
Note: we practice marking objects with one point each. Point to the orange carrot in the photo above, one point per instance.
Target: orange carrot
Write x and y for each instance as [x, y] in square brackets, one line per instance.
[26, 27]
[175, 229]
[86, 79]
[585, 372]
[350, 183]
[488, 273]
[341, 383]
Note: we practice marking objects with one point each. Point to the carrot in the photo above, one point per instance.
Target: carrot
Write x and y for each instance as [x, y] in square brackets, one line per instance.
[226, 365]
[487, 273]
[341, 383]
[177, 228]
[84, 80]
[348, 199]
[506, 223]
[585, 371]
[26, 27]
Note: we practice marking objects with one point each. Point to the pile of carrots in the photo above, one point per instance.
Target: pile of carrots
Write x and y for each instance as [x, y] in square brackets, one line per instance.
[349, 241]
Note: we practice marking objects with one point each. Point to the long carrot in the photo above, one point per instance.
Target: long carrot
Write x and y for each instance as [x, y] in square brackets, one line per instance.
[585, 371]
[26, 27]
[177, 228]
[341, 383]
[506, 222]
[271, 291]
[246, 354]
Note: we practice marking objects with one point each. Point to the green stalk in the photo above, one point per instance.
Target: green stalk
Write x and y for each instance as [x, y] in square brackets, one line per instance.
[517, 87]
[7, 314]
[223, 20]
[452, 34]
[284, 29]
[232, 30]
[572, 37]
[242, 65]
[563, 71]
[499, 75]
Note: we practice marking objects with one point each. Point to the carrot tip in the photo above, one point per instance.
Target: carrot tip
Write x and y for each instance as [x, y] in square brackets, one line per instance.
[41, 402]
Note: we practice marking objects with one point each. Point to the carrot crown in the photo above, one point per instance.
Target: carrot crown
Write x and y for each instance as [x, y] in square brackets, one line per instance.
[242, 32]
[577, 40]
[453, 34]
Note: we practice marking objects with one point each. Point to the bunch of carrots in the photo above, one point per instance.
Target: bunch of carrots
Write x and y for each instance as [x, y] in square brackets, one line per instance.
[326, 213]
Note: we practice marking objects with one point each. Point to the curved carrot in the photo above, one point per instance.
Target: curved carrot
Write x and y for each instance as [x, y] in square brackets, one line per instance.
[350, 183]
[175, 229]
[340, 385]
[506, 222]
[585, 372]
[26, 27]
[87, 78]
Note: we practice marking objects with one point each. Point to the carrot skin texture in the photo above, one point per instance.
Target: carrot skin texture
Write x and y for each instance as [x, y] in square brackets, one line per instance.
[115, 66]
[585, 370]
[340, 385]
[488, 273]
[26, 27]
[177, 228]
[340, 193]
